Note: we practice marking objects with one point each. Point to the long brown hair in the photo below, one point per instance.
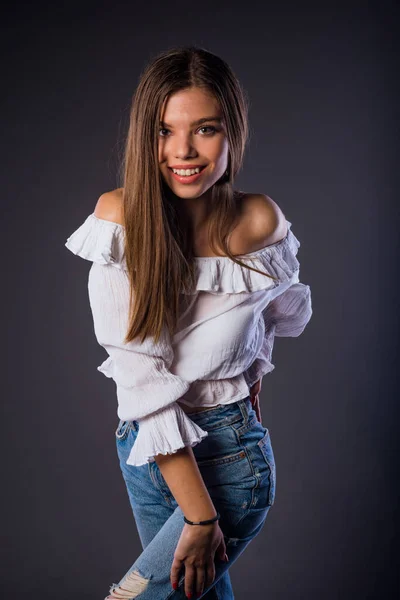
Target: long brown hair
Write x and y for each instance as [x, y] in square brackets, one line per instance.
[159, 253]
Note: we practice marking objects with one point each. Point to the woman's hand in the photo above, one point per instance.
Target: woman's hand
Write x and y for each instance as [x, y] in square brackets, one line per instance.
[254, 399]
[195, 551]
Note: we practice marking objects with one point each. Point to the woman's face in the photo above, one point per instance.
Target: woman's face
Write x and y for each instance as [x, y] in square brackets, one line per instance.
[192, 134]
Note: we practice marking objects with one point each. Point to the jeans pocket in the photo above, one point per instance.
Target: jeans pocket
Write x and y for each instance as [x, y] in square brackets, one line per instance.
[268, 455]
[230, 480]
[122, 430]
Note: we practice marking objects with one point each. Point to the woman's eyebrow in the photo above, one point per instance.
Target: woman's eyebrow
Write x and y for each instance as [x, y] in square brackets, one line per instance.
[198, 122]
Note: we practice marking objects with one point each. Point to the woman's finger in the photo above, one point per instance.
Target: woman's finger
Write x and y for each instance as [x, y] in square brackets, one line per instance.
[175, 571]
[257, 408]
[210, 573]
[200, 581]
[190, 580]
[255, 388]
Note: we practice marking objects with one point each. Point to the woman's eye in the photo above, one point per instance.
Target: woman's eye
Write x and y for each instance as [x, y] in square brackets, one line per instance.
[209, 127]
[213, 130]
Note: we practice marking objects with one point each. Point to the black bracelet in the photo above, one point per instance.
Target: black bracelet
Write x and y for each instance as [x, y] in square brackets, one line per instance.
[218, 516]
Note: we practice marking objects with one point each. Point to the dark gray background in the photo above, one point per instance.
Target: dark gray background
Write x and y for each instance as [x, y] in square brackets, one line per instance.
[323, 129]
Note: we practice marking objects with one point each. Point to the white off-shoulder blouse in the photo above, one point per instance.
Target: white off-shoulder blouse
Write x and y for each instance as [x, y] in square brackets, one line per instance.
[222, 346]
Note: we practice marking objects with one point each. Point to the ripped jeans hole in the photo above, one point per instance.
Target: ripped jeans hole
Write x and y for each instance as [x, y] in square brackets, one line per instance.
[133, 585]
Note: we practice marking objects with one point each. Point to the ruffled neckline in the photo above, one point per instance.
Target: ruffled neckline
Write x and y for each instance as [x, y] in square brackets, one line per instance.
[102, 241]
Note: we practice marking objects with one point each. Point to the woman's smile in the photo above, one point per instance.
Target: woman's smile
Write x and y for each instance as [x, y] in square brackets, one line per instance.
[187, 175]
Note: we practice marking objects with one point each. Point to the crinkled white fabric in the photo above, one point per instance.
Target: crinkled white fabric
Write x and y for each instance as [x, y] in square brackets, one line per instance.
[289, 312]
[99, 241]
[223, 343]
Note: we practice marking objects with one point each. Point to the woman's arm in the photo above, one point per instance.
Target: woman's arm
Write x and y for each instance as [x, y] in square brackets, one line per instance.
[184, 479]
[198, 546]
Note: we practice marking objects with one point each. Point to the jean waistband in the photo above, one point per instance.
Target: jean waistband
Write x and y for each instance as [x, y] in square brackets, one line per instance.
[229, 413]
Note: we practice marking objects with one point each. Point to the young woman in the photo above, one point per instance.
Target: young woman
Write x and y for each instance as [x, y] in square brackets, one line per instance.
[191, 281]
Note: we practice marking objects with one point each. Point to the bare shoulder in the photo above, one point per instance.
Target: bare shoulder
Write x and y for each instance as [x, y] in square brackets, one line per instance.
[110, 207]
[265, 220]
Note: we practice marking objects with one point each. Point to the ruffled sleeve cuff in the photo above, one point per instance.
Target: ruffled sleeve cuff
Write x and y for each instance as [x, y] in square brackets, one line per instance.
[290, 312]
[164, 432]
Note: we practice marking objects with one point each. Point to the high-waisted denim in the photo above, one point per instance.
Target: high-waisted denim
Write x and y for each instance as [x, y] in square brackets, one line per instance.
[237, 464]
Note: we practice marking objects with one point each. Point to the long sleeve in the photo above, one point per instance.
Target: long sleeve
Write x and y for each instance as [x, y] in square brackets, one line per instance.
[147, 390]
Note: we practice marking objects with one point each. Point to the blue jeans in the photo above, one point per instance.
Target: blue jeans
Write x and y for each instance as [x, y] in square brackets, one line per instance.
[238, 467]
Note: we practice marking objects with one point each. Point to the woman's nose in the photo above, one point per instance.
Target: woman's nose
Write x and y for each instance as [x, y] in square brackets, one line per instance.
[184, 147]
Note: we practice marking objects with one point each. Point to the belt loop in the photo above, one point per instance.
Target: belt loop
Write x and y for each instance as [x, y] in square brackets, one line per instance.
[243, 409]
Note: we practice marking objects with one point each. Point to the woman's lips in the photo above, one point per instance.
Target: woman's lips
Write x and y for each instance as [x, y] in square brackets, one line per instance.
[187, 178]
